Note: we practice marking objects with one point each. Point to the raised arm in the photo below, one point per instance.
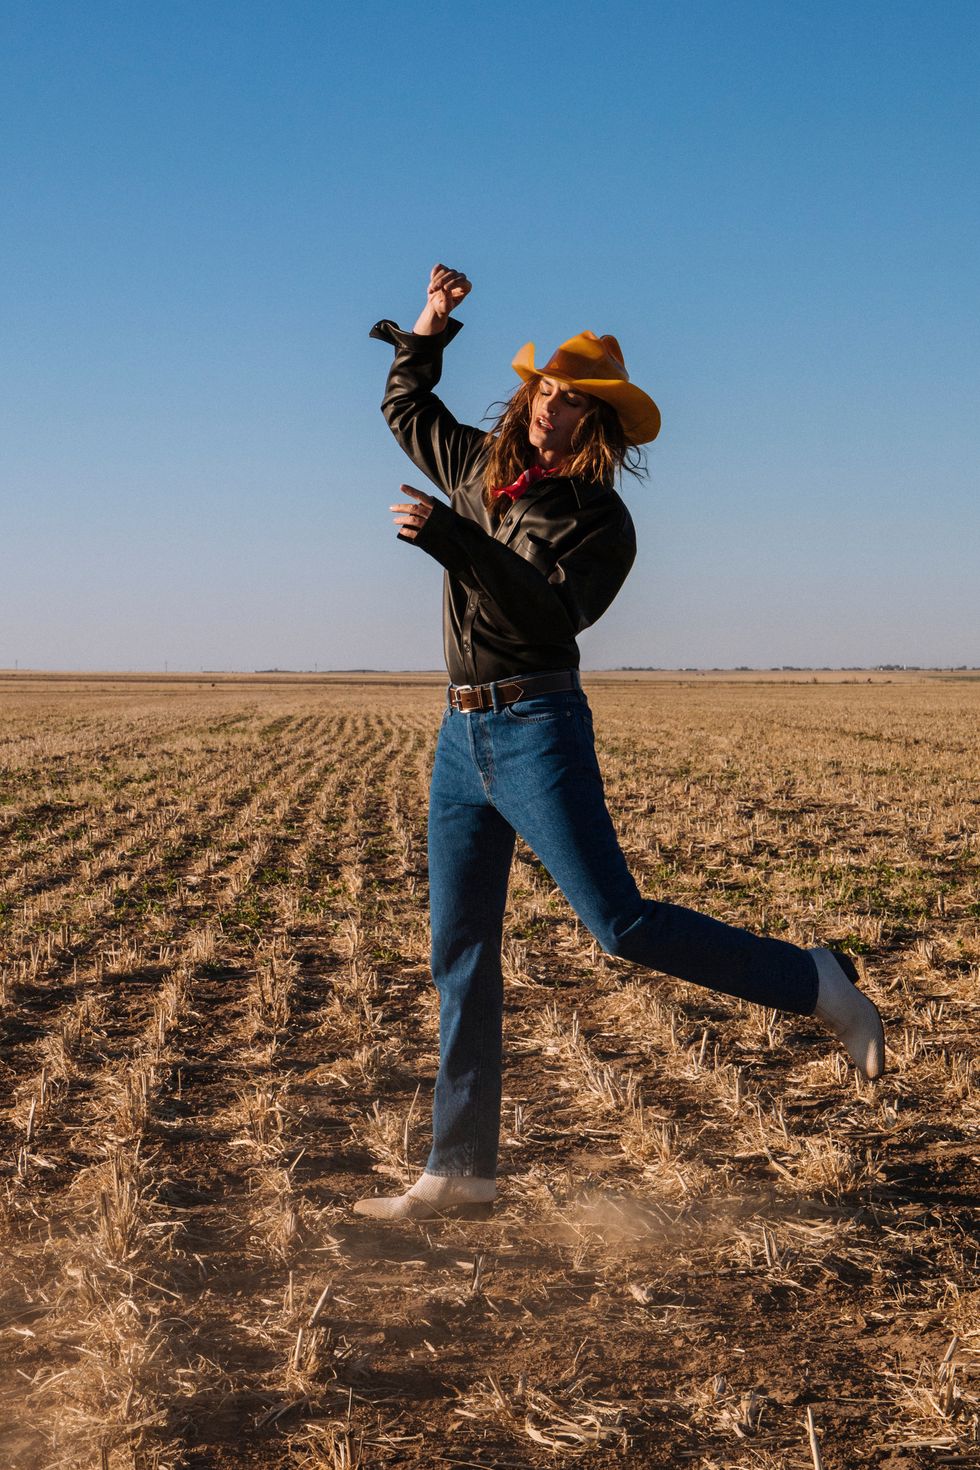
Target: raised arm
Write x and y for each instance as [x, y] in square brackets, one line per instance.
[445, 450]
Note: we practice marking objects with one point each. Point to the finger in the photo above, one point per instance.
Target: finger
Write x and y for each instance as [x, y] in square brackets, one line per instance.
[446, 279]
[417, 494]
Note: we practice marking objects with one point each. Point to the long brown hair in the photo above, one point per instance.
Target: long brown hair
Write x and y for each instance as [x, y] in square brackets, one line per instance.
[600, 449]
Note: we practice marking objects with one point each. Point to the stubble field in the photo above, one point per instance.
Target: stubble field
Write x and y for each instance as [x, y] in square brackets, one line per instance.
[714, 1246]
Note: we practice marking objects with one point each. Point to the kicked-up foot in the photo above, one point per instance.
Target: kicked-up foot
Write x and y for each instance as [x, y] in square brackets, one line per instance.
[849, 1014]
[434, 1197]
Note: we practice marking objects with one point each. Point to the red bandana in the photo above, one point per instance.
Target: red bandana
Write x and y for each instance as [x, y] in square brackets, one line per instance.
[529, 477]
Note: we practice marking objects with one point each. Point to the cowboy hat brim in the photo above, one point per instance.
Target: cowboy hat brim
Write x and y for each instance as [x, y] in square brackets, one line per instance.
[637, 412]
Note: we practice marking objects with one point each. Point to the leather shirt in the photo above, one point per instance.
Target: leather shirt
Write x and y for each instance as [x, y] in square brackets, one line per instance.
[518, 588]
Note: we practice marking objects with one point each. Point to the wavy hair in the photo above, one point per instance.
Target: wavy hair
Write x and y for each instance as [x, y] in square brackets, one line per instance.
[600, 449]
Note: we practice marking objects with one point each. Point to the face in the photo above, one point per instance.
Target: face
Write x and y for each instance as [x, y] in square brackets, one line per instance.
[556, 412]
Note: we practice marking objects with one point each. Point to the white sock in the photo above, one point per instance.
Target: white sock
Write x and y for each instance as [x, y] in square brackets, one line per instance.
[851, 1016]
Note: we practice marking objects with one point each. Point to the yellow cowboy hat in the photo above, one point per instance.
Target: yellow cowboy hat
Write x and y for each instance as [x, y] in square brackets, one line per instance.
[595, 365]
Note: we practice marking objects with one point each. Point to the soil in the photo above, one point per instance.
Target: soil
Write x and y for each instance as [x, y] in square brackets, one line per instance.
[217, 1030]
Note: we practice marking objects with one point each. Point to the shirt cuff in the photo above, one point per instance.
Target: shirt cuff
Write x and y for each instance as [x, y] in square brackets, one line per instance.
[436, 529]
[390, 332]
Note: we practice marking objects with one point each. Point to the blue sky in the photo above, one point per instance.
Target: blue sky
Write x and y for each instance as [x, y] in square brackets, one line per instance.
[207, 205]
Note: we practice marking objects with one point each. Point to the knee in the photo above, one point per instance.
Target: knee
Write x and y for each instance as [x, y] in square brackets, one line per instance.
[618, 947]
[620, 933]
[611, 944]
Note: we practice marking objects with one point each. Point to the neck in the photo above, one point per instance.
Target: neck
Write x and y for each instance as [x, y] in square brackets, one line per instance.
[548, 459]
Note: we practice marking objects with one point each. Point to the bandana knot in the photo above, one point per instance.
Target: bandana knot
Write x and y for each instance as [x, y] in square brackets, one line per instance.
[529, 477]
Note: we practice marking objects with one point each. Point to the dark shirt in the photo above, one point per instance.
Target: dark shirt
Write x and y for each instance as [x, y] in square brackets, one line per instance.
[519, 588]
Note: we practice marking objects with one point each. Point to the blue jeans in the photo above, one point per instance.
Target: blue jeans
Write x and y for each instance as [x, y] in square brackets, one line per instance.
[531, 768]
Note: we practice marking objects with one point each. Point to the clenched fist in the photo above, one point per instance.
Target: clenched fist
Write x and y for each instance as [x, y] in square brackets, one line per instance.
[446, 289]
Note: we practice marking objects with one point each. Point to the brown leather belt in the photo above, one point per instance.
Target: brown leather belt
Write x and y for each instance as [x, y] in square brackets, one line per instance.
[467, 698]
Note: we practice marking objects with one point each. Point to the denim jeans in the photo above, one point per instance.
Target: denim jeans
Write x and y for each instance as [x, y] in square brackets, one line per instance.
[531, 768]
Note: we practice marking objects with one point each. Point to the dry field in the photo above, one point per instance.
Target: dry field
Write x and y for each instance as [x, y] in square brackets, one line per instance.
[715, 1246]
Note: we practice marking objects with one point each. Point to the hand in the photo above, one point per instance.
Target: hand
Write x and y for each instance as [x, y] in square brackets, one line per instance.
[411, 518]
[446, 289]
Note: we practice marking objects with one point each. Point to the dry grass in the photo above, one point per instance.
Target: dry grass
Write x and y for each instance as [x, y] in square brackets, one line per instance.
[715, 1248]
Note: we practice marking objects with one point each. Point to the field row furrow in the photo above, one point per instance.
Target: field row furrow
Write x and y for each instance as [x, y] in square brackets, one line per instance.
[132, 972]
[223, 1030]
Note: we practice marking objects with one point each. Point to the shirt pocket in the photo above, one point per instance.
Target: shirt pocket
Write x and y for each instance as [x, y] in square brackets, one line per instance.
[538, 550]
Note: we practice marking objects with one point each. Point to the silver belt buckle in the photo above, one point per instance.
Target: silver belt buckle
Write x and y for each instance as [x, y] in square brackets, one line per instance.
[459, 689]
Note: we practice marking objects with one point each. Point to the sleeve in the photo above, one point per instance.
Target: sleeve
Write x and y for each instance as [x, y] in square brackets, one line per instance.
[446, 451]
[583, 583]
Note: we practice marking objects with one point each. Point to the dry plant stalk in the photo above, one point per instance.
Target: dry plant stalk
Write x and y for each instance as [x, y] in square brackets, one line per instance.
[213, 957]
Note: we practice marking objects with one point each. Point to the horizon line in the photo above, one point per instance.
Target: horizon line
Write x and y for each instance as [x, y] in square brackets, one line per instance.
[317, 672]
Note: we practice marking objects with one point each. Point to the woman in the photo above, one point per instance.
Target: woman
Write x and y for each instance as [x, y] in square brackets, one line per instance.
[535, 544]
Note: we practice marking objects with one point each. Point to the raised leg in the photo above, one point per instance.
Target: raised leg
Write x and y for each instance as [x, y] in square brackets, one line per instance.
[562, 816]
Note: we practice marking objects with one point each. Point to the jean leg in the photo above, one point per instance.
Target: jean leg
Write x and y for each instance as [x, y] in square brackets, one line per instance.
[470, 852]
[549, 787]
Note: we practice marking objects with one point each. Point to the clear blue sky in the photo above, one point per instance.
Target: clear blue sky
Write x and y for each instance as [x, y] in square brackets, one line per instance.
[206, 205]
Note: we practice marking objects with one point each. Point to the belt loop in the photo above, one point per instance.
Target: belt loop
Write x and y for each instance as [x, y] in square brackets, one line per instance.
[495, 698]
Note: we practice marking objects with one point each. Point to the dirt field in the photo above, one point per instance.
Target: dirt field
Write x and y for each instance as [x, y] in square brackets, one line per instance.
[217, 1029]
